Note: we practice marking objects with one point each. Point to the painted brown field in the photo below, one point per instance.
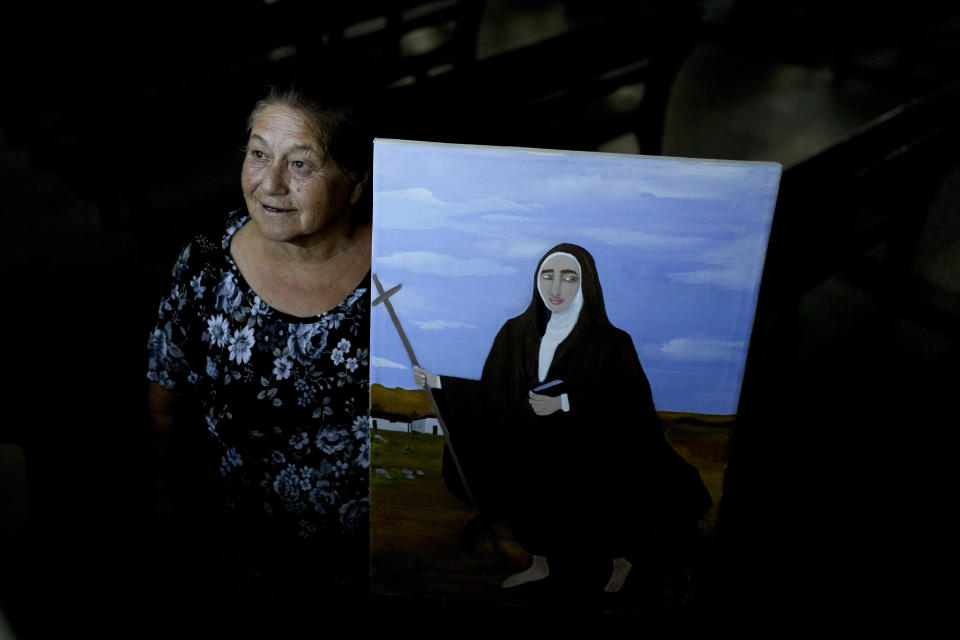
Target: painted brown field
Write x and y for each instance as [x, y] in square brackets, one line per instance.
[704, 442]
[416, 521]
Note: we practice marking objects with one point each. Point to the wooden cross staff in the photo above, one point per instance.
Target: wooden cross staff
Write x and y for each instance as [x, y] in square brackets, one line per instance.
[384, 297]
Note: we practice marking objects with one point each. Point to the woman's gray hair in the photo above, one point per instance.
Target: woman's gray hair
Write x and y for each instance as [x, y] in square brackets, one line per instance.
[339, 128]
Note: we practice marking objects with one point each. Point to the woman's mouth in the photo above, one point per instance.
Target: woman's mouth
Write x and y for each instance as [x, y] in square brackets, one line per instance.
[556, 301]
[270, 209]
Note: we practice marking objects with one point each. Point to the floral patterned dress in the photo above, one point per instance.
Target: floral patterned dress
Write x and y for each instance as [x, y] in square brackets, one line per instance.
[284, 399]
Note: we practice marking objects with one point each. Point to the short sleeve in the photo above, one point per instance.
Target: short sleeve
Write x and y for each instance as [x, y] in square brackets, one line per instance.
[172, 341]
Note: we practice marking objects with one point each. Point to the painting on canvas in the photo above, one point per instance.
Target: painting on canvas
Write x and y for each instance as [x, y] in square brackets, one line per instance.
[580, 325]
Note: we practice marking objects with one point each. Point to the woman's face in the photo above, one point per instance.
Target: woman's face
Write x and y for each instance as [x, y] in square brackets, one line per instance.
[293, 192]
[559, 281]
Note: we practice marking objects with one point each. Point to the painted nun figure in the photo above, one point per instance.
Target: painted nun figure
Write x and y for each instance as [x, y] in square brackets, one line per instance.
[560, 437]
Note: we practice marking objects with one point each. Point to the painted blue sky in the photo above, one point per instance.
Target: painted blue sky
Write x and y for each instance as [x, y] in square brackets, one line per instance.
[679, 246]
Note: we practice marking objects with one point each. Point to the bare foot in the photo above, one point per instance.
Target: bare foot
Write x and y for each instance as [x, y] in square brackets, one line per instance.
[621, 567]
[537, 571]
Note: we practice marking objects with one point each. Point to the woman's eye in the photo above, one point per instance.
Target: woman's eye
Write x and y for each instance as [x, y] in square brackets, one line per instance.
[257, 154]
[571, 278]
[298, 164]
[548, 276]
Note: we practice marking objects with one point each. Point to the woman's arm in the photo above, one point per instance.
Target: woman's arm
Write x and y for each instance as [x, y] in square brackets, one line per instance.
[163, 406]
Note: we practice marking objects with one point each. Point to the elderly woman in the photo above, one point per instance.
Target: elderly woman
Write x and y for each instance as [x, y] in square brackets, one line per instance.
[265, 332]
[560, 437]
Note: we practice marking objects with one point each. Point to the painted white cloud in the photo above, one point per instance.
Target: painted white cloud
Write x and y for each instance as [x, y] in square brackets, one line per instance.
[418, 208]
[513, 246]
[377, 361]
[439, 325]
[624, 237]
[433, 263]
[664, 178]
[507, 219]
[735, 265]
[701, 349]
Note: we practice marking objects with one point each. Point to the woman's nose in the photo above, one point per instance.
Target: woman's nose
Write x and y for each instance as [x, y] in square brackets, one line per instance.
[274, 178]
[555, 286]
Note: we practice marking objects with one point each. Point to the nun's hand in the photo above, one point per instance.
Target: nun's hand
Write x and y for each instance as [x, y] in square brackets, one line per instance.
[423, 377]
[545, 405]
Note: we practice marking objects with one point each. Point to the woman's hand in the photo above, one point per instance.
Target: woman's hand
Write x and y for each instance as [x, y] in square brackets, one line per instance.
[545, 405]
[423, 377]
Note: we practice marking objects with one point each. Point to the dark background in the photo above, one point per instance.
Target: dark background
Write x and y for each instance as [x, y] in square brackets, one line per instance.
[120, 136]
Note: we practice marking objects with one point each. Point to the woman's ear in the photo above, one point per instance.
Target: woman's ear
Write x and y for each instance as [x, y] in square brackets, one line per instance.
[359, 188]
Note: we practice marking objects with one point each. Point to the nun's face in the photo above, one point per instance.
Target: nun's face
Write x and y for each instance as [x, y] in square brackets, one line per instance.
[559, 281]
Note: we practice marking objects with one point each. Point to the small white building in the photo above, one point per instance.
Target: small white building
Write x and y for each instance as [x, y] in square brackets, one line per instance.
[389, 421]
[426, 424]
[397, 422]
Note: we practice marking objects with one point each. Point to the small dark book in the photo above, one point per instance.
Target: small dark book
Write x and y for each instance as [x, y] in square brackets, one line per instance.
[553, 388]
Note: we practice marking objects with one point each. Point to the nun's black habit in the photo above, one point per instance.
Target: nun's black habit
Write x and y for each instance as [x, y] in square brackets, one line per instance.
[597, 479]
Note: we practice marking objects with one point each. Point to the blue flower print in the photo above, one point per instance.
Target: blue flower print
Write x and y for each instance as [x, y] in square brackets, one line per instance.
[337, 356]
[351, 364]
[241, 345]
[162, 378]
[287, 484]
[306, 341]
[228, 296]
[299, 440]
[229, 460]
[234, 457]
[363, 458]
[157, 349]
[305, 479]
[211, 424]
[344, 345]
[182, 263]
[306, 398]
[321, 494]
[282, 367]
[272, 335]
[356, 295]
[198, 288]
[361, 427]
[332, 439]
[218, 329]
[231, 229]
[211, 369]
[257, 308]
